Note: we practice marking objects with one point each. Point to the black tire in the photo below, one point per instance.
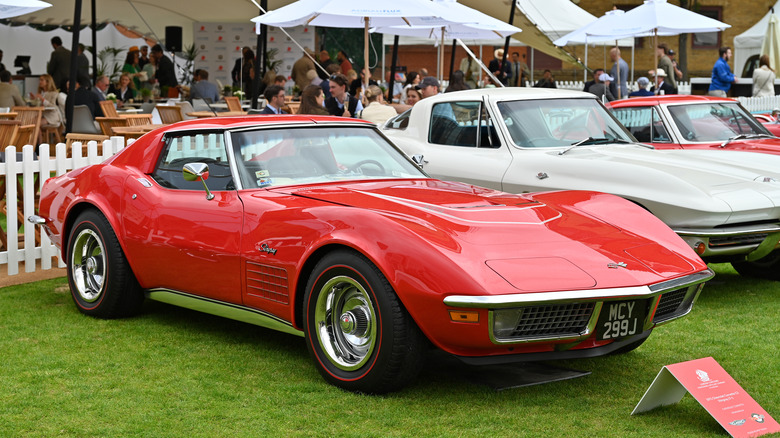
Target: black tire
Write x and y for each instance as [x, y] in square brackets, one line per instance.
[358, 333]
[767, 267]
[101, 281]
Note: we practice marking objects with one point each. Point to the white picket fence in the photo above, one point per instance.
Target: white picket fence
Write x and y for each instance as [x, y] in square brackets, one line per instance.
[682, 87]
[760, 104]
[33, 173]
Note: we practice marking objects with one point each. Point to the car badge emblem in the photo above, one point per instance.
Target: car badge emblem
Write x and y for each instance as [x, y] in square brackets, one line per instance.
[541, 175]
[267, 249]
[616, 265]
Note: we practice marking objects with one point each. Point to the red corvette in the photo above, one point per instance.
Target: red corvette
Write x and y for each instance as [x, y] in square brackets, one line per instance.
[694, 122]
[320, 227]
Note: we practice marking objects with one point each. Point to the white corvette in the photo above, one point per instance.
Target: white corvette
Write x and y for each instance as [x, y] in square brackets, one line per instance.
[725, 204]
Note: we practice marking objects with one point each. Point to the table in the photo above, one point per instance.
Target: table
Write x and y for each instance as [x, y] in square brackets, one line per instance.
[204, 114]
[129, 132]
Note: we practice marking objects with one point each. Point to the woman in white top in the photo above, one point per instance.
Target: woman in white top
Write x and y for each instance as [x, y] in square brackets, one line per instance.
[763, 78]
[376, 111]
[412, 79]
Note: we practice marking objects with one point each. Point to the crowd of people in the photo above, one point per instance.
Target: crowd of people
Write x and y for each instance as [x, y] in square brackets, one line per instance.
[334, 87]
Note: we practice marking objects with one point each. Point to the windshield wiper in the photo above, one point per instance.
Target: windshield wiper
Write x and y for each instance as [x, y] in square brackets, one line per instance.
[744, 136]
[591, 141]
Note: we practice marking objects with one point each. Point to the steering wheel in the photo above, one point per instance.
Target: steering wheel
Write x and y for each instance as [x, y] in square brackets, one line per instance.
[361, 163]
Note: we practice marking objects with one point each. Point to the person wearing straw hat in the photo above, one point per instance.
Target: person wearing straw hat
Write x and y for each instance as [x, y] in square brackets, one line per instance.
[664, 87]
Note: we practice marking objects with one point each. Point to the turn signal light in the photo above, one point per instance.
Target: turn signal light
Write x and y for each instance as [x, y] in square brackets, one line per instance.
[464, 316]
[699, 247]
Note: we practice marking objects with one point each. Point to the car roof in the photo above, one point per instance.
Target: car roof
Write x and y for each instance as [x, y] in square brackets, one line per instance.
[219, 123]
[510, 93]
[671, 99]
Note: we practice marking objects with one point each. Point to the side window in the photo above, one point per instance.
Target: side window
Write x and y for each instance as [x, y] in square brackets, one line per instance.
[644, 124]
[400, 121]
[184, 148]
[462, 124]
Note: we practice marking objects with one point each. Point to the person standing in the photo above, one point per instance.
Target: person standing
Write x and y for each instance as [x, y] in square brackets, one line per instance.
[596, 73]
[763, 78]
[83, 70]
[301, 67]
[601, 87]
[312, 101]
[470, 67]
[235, 74]
[498, 67]
[619, 87]
[143, 58]
[165, 75]
[131, 66]
[343, 61]
[678, 74]
[665, 63]
[518, 71]
[59, 63]
[722, 77]
[325, 61]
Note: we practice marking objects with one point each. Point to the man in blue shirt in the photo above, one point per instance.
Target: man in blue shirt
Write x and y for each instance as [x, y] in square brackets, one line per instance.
[203, 89]
[722, 77]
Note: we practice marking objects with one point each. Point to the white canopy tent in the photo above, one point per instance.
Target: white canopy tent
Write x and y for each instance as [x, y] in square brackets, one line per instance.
[748, 43]
[14, 8]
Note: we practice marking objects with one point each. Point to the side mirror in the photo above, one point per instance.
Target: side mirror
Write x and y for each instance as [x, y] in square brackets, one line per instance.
[419, 160]
[198, 172]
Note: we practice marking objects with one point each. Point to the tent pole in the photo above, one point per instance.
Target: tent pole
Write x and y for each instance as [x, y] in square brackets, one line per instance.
[506, 41]
[452, 58]
[74, 65]
[393, 62]
[260, 61]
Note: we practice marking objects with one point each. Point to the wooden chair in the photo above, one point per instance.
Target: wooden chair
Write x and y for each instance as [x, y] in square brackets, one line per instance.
[137, 119]
[31, 116]
[107, 123]
[8, 132]
[233, 103]
[24, 135]
[84, 139]
[170, 114]
[109, 110]
[49, 131]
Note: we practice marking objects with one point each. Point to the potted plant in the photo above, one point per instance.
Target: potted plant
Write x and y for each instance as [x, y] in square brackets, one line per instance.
[112, 98]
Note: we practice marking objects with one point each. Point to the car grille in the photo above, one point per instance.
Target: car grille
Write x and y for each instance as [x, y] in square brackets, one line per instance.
[670, 305]
[747, 239]
[551, 321]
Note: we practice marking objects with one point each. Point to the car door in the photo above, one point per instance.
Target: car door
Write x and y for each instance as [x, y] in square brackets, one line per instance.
[180, 240]
[463, 144]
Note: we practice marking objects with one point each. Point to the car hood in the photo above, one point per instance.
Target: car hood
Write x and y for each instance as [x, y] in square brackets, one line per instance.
[520, 238]
[728, 186]
[763, 145]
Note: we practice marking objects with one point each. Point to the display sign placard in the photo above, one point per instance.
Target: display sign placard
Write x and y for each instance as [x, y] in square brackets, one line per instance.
[715, 390]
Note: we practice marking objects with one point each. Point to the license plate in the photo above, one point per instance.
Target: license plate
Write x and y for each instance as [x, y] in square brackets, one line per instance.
[620, 319]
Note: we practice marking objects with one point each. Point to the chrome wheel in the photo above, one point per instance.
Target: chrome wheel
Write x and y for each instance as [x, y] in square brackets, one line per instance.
[345, 322]
[88, 265]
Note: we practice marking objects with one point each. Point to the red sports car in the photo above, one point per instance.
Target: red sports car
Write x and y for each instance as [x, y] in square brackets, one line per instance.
[320, 227]
[694, 122]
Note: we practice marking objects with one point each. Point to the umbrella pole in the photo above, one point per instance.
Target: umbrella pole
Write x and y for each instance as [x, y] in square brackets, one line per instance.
[365, 59]
[452, 58]
[441, 56]
[617, 79]
[655, 58]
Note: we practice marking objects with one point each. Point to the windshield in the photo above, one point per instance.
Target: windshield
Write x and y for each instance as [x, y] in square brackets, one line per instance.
[560, 122]
[304, 155]
[716, 121]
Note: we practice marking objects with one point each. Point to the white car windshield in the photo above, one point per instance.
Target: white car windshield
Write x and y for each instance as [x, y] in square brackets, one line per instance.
[716, 121]
[305, 155]
[561, 122]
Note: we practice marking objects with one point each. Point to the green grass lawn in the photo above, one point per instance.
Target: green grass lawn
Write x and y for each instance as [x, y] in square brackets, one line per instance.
[174, 372]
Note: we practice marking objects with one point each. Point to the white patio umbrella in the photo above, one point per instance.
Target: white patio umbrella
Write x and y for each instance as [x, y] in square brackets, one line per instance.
[657, 17]
[458, 22]
[771, 44]
[14, 8]
[353, 14]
